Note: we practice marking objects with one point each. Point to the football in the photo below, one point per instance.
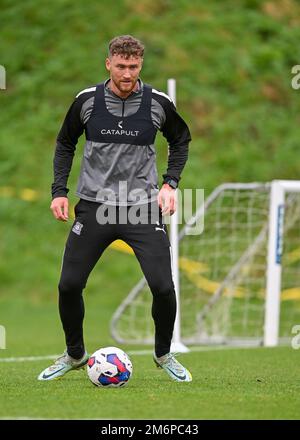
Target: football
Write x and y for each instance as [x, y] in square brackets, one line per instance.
[109, 367]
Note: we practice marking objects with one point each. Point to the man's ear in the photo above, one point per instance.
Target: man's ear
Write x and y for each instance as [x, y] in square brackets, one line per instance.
[107, 64]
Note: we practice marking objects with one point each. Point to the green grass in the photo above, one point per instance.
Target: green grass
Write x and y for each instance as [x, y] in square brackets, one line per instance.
[227, 384]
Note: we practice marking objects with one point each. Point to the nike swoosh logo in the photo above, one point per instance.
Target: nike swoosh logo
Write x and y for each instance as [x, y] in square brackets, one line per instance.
[179, 377]
[45, 376]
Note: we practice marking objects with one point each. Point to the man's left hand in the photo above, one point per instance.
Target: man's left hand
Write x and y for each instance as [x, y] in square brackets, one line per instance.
[166, 199]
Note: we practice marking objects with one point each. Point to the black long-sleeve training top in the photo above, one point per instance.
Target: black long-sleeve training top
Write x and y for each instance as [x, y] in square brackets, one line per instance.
[119, 145]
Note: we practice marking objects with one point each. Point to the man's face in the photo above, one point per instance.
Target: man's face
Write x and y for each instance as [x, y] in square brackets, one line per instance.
[124, 73]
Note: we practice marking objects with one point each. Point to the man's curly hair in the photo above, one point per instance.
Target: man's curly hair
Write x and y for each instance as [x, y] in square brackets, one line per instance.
[127, 46]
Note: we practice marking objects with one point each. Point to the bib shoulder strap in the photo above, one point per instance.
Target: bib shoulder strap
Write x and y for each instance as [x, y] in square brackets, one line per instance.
[99, 104]
[147, 97]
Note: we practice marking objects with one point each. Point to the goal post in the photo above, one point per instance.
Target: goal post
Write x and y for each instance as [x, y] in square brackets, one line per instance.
[177, 344]
[279, 188]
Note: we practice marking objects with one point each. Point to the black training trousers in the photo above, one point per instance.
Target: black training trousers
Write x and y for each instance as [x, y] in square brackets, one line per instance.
[85, 244]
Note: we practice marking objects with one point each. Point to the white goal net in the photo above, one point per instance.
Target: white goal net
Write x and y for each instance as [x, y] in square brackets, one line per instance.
[223, 272]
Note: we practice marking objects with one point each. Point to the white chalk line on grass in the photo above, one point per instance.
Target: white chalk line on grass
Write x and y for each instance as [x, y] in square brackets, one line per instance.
[28, 358]
[130, 352]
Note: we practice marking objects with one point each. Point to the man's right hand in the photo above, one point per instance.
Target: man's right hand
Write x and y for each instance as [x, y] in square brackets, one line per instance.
[60, 208]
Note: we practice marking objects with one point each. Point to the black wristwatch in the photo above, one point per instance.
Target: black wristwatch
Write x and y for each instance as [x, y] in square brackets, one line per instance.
[171, 182]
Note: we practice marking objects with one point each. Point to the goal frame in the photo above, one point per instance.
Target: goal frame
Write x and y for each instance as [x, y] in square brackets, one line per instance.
[275, 236]
[279, 188]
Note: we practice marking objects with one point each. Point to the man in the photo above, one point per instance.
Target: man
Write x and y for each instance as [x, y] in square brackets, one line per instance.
[120, 118]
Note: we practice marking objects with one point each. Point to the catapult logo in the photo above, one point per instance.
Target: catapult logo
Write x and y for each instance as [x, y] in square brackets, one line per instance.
[120, 131]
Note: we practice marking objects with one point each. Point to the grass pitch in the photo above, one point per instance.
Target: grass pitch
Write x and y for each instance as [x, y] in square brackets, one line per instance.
[227, 384]
[254, 383]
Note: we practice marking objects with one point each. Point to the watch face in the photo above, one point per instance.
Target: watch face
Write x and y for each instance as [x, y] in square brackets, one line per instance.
[172, 184]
